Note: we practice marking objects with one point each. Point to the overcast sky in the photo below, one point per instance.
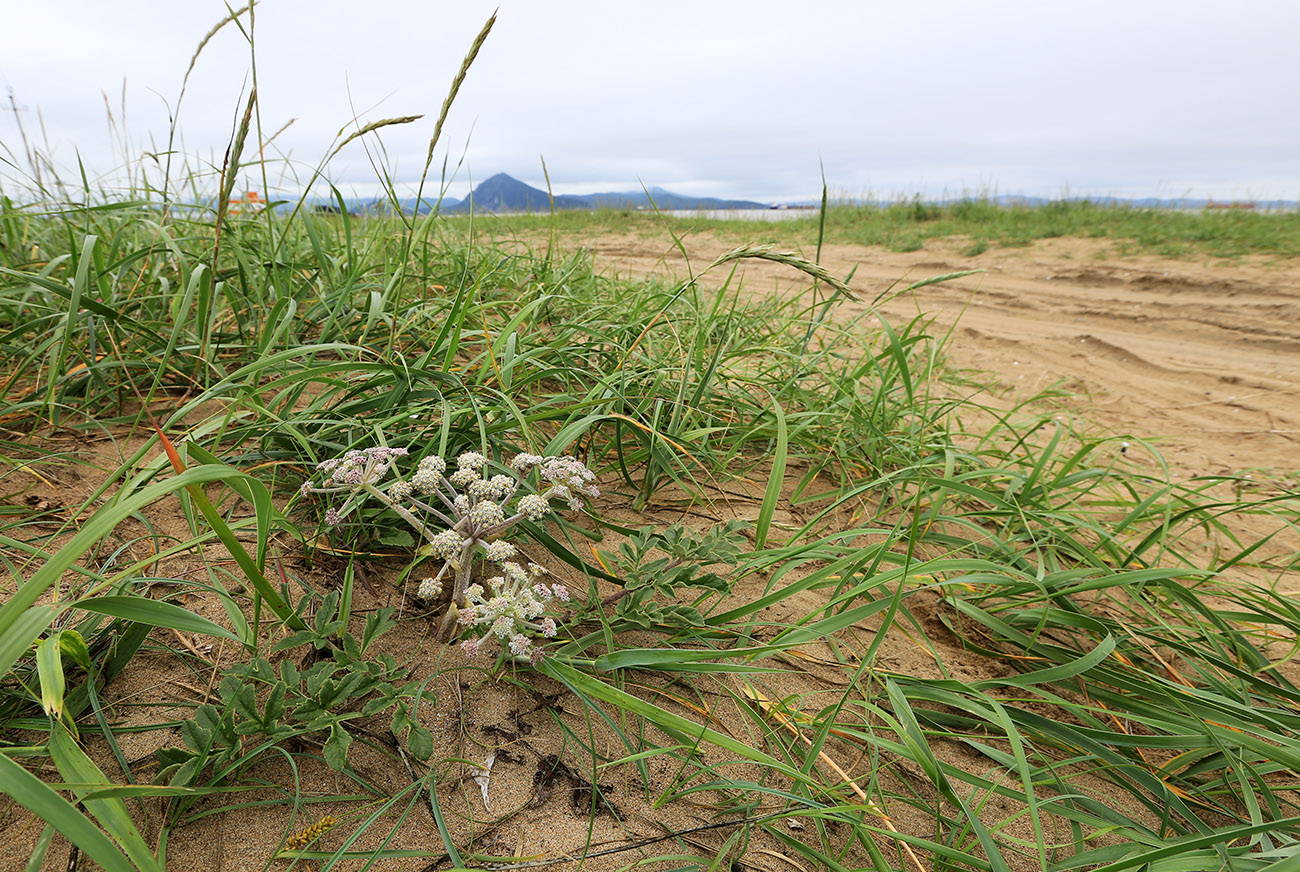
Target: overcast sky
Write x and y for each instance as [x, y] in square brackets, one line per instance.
[740, 99]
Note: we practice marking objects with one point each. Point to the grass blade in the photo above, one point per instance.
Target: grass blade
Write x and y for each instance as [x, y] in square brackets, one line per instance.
[775, 479]
[34, 795]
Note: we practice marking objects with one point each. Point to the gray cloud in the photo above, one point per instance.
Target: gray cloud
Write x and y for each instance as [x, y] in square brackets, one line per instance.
[727, 99]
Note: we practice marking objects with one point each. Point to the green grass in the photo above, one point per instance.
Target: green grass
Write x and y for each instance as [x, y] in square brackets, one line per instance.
[907, 225]
[929, 645]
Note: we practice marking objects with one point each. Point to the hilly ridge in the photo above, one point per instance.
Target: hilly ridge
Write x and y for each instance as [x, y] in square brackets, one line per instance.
[504, 193]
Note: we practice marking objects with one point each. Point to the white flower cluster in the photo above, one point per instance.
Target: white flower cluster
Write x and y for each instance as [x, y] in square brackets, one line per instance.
[478, 507]
[569, 479]
[464, 513]
[446, 544]
[428, 474]
[510, 610]
[355, 470]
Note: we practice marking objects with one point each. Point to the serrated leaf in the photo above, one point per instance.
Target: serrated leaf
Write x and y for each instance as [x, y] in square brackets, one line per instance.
[375, 706]
[302, 637]
[171, 756]
[336, 749]
[420, 743]
[330, 629]
[307, 711]
[274, 708]
[208, 716]
[323, 721]
[396, 537]
[241, 697]
[262, 669]
[401, 718]
[185, 773]
[195, 737]
[377, 623]
[326, 612]
[317, 676]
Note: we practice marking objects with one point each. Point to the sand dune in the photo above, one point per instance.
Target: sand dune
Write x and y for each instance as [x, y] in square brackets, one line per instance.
[1204, 356]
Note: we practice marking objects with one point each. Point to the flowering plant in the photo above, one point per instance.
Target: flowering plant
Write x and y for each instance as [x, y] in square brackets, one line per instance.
[462, 515]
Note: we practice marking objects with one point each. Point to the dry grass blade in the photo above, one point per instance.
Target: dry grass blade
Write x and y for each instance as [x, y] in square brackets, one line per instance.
[789, 258]
[773, 711]
[283, 127]
[455, 87]
[207, 37]
[372, 126]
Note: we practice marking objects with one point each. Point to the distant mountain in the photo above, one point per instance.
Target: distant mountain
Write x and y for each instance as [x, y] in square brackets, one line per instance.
[664, 199]
[503, 193]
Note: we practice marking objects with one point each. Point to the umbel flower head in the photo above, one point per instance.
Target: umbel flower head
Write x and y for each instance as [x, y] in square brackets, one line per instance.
[464, 514]
[509, 609]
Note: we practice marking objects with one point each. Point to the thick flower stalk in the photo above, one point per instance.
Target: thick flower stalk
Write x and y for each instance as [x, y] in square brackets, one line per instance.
[462, 515]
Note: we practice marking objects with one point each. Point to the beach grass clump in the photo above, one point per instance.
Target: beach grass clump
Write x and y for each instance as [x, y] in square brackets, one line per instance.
[1077, 635]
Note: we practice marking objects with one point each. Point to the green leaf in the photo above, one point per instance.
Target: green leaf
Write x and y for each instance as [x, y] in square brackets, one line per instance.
[375, 706]
[396, 537]
[1054, 674]
[37, 861]
[21, 620]
[302, 637]
[155, 613]
[252, 569]
[17, 640]
[674, 725]
[274, 709]
[420, 742]
[73, 645]
[195, 737]
[49, 669]
[685, 660]
[775, 479]
[242, 697]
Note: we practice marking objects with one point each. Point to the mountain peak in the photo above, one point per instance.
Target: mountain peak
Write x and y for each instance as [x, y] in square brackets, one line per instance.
[504, 193]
